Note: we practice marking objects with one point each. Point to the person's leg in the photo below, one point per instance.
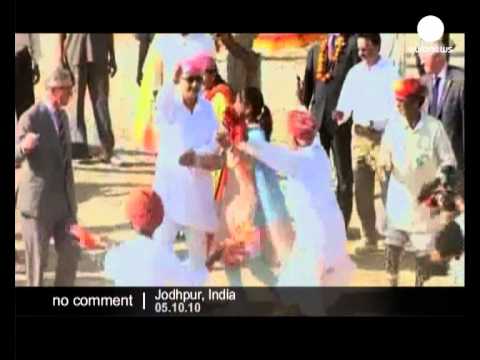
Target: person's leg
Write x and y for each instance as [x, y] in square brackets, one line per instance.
[98, 87]
[262, 271]
[364, 178]
[197, 255]
[325, 139]
[422, 272]
[234, 276]
[394, 244]
[166, 234]
[36, 235]
[197, 248]
[342, 157]
[68, 252]
[24, 95]
[79, 127]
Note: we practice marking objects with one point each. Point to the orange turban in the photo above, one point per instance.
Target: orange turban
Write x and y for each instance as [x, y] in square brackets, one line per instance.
[144, 210]
[409, 87]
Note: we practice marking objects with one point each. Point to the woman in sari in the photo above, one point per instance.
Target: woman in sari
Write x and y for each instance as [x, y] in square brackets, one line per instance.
[255, 227]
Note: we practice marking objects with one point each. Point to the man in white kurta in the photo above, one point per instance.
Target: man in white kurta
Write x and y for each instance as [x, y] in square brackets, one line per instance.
[187, 193]
[170, 49]
[318, 256]
[415, 156]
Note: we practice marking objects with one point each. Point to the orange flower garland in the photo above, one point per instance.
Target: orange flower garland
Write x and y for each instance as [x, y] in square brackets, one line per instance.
[322, 73]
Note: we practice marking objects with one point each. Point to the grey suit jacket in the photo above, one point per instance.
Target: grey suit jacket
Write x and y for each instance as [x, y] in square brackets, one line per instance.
[452, 109]
[322, 97]
[46, 188]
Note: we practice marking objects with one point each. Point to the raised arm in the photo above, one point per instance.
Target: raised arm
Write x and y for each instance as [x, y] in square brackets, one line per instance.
[277, 157]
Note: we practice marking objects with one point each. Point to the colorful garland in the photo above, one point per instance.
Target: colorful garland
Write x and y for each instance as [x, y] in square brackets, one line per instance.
[323, 73]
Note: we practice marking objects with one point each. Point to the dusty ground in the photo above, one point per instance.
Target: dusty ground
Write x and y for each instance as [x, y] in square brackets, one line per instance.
[102, 189]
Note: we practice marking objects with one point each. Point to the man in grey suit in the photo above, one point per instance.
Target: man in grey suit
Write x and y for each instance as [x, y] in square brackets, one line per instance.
[446, 98]
[46, 198]
[91, 59]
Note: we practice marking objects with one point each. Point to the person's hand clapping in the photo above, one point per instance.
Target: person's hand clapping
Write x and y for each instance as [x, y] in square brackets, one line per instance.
[29, 143]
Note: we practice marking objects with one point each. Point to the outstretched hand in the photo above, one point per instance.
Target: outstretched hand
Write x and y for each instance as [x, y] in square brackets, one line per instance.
[188, 158]
[223, 140]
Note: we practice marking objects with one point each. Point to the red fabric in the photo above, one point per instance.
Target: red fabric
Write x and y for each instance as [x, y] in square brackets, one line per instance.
[224, 89]
[86, 239]
[150, 139]
[144, 209]
[235, 125]
[237, 132]
[408, 87]
[301, 124]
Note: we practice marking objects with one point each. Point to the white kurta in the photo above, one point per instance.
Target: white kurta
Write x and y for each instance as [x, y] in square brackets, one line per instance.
[417, 156]
[141, 262]
[187, 193]
[320, 241]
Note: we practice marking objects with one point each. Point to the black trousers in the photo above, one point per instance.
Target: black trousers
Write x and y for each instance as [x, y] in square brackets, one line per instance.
[339, 141]
[24, 96]
[95, 77]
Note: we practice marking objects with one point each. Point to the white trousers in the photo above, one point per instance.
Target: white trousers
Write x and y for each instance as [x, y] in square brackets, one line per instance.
[197, 248]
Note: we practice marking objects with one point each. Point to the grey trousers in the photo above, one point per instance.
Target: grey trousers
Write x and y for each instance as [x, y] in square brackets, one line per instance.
[36, 235]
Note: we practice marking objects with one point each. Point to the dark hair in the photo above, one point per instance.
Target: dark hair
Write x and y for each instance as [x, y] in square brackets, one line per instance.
[218, 79]
[374, 38]
[450, 240]
[260, 112]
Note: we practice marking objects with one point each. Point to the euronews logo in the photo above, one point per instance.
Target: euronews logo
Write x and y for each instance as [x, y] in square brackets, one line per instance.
[430, 29]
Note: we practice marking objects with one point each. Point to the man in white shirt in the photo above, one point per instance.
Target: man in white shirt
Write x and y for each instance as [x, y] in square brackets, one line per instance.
[367, 94]
[27, 73]
[415, 148]
[187, 122]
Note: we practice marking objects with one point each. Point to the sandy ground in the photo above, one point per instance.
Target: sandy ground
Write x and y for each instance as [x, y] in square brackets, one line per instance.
[102, 189]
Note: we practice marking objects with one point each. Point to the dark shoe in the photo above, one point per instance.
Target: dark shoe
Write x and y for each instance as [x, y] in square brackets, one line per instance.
[80, 151]
[353, 234]
[368, 249]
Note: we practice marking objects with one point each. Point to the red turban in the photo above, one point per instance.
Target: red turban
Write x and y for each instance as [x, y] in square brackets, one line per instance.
[409, 87]
[301, 125]
[144, 210]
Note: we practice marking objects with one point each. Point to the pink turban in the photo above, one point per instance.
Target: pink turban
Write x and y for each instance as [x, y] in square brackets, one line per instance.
[197, 64]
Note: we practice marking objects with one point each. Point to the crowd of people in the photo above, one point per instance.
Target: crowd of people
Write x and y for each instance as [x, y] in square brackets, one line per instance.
[217, 173]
